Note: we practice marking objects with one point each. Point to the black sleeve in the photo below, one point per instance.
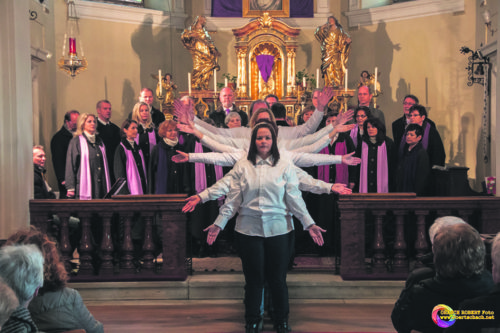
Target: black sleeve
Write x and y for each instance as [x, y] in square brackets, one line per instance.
[120, 167]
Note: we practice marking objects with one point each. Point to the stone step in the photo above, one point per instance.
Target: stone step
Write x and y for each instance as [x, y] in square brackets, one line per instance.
[220, 286]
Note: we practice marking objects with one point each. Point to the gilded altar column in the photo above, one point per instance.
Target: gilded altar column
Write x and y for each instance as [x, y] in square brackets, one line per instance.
[242, 73]
[290, 79]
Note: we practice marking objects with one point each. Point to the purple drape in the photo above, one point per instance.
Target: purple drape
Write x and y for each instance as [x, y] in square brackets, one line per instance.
[234, 8]
[265, 63]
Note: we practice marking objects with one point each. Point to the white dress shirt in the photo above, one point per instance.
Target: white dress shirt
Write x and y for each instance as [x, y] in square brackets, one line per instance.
[262, 195]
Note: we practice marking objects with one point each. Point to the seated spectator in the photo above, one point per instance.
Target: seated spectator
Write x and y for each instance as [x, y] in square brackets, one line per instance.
[42, 188]
[489, 303]
[56, 308]
[21, 268]
[413, 170]
[459, 254]
[279, 112]
[8, 302]
[233, 119]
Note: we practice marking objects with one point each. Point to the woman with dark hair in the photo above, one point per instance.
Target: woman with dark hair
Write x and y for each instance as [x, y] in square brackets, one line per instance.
[57, 308]
[129, 160]
[264, 189]
[147, 135]
[87, 174]
[360, 115]
[377, 159]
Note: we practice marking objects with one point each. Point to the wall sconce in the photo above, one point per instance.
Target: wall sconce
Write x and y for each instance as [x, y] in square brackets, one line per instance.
[487, 21]
[477, 66]
[70, 62]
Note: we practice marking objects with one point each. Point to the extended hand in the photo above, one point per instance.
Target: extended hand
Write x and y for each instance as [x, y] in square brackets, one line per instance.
[181, 157]
[341, 189]
[341, 129]
[324, 97]
[344, 117]
[315, 233]
[350, 160]
[213, 232]
[187, 127]
[191, 204]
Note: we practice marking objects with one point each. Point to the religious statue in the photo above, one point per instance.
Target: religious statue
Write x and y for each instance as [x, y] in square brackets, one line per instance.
[367, 79]
[205, 55]
[167, 91]
[335, 49]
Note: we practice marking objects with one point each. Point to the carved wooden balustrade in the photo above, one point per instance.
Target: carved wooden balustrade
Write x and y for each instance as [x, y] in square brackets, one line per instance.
[383, 234]
[97, 260]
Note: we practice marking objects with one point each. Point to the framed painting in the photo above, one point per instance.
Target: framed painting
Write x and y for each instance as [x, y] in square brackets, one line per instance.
[276, 8]
[137, 3]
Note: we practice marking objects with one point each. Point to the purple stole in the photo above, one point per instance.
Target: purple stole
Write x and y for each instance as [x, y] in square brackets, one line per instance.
[341, 170]
[151, 138]
[85, 176]
[382, 169]
[133, 176]
[354, 135]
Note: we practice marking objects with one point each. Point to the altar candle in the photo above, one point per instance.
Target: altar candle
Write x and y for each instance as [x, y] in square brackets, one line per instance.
[376, 79]
[345, 79]
[189, 83]
[215, 81]
[225, 82]
[304, 82]
[159, 82]
[317, 78]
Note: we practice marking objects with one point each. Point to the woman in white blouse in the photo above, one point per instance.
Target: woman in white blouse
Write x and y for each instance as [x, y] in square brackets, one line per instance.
[265, 189]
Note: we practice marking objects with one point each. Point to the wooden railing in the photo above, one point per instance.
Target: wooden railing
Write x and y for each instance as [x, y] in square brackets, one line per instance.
[382, 235]
[98, 261]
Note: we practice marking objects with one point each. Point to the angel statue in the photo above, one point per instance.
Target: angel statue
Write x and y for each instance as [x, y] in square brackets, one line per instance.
[167, 90]
[335, 49]
[205, 55]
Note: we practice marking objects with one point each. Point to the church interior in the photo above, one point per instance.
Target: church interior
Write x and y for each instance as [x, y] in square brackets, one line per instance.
[415, 47]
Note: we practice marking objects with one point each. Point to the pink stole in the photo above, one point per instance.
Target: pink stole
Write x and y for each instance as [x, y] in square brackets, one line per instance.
[382, 169]
[341, 170]
[85, 176]
[354, 135]
[133, 177]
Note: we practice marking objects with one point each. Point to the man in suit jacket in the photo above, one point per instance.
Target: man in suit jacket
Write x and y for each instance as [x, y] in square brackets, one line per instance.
[226, 98]
[108, 132]
[42, 189]
[365, 98]
[59, 148]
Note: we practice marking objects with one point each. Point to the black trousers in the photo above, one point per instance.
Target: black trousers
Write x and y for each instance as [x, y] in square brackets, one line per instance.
[265, 259]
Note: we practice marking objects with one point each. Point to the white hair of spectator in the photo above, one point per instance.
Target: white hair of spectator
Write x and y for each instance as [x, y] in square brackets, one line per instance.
[21, 268]
[442, 222]
[232, 115]
[495, 258]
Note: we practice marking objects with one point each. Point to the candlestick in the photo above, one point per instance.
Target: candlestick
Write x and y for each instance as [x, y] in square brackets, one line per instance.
[225, 82]
[159, 82]
[376, 79]
[317, 78]
[189, 83]
[215, 81]
[345, 79]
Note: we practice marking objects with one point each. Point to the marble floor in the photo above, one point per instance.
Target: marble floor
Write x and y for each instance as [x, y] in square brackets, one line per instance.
[227, 316]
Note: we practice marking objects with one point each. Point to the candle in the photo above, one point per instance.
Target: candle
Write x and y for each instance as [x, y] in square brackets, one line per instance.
[304, 82]
[159, 82]
[345, 79]
[376, 79]
[189, 83]
[317, 78]
[72, 46]
[215, 81]
[225, 82]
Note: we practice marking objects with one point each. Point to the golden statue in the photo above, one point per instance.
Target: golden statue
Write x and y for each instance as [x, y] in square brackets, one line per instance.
[335, 49]
[205, 55]
[168, 88]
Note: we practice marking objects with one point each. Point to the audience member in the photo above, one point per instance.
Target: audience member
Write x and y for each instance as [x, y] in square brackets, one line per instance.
[59, 149]
[146, 96]
[8, 302]
[56, 308]
[42, 188]
[256, 105]
[361, 113]
[147, 136]
[87, 172]
[365, 97]
[279, 112]
[108, 132]
[487, 305]
[21, 268]
[306, 114]
[431, 140]
[413, 170]
[376, 171]
[459, 254]
[271, 99]
[226, 98]
[233, 119]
